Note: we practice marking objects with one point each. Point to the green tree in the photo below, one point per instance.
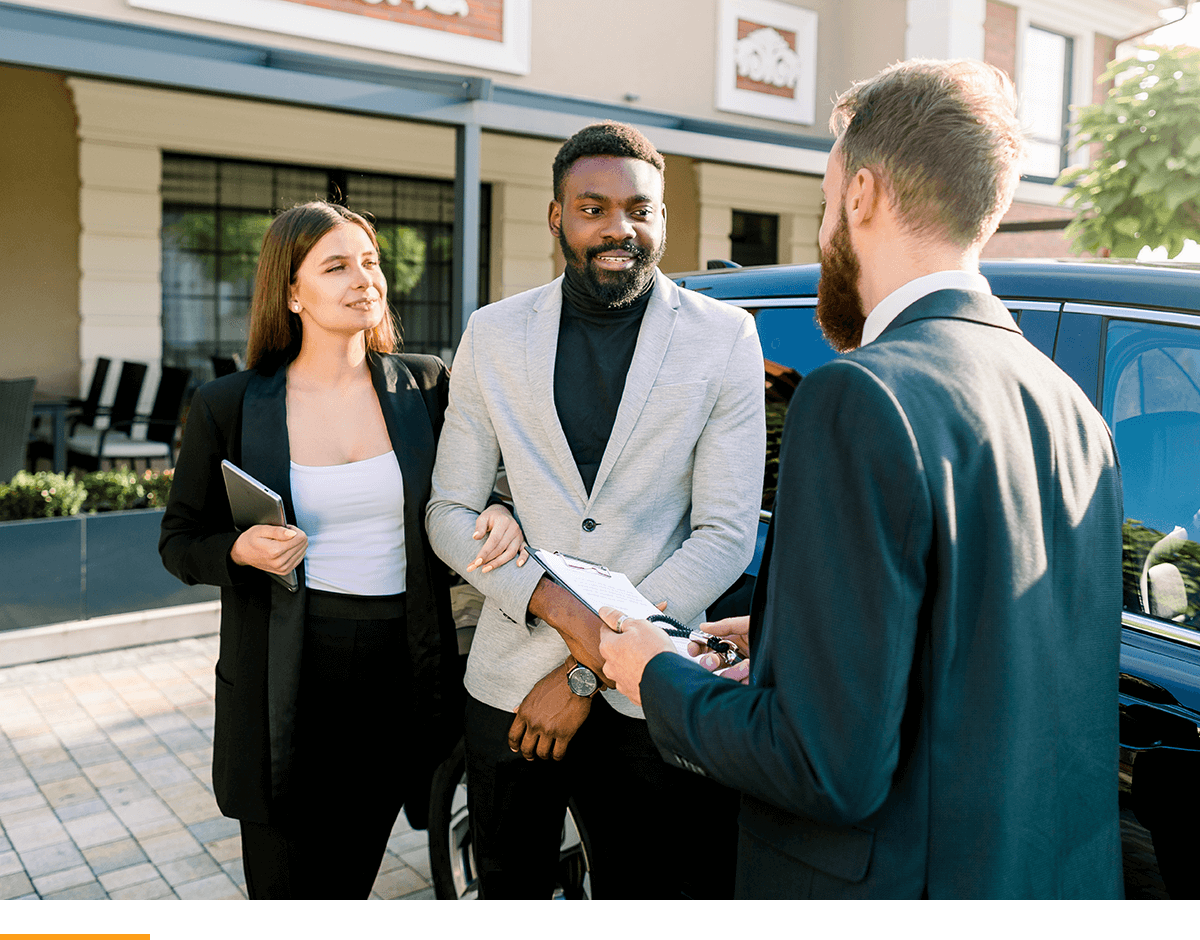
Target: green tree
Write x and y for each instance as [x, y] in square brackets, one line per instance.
[1143, 186]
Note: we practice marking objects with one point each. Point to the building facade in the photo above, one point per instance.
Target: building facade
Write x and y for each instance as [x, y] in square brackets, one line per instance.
[146, 143]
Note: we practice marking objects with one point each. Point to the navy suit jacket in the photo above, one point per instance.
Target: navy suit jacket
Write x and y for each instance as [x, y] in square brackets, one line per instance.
[933, 702]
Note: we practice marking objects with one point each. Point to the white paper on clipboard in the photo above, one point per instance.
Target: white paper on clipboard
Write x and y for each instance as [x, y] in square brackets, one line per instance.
[598, 586]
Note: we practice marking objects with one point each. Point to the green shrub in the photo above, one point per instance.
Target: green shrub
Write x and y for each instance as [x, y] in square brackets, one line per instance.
[157, 485]
[40, 495]
[112, 490]
[43, 495]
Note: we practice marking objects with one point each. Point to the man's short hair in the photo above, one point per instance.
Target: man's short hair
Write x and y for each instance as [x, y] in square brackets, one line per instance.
[606, 139]
[944, 138]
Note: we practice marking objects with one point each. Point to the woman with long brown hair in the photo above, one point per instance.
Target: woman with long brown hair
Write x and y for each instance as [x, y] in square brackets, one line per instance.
[333, 703]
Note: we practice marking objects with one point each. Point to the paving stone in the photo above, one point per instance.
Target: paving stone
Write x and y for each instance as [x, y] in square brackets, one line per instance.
[48, 773]
[15, 885]
[141, 810]
[407, 842]
[223, 850]
[54, 753]
[144, 829]
[10, 862]
[22, 803]
[218, 887]
[143, 891]
[190, 739]
[33, 743]
[47, 859]
[192, 868]
[87, 808]
[89, 755]
[145, 747]
[418, 861]
[62, 880]
[20, 786]
[113, 856]
[42, 829]
[76, 789]
[397, 883]
[215, 828]
[124, 877]
[236, 870]
[111, 773]
[197, 758]
[88, 892]
[163, 771]
[96, 830]
[169, 846]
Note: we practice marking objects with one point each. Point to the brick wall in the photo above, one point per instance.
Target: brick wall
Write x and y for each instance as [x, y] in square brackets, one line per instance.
[1000, 37]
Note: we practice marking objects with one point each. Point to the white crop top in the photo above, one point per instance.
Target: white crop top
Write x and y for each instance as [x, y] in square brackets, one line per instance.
[353, 515]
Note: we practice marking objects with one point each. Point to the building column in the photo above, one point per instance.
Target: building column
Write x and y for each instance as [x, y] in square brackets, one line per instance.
[120, 251]
[945, 29]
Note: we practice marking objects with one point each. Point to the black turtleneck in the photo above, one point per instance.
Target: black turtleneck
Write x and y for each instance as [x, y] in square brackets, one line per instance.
[595, 347]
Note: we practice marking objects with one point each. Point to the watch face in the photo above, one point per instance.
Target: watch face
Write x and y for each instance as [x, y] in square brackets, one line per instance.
[582, 681]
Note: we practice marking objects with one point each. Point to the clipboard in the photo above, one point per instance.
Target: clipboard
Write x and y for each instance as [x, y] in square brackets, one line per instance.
[596, 586]
[255, 503]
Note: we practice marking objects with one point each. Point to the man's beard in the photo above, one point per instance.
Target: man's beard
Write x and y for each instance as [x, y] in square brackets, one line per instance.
[839, 306]
[614, 288]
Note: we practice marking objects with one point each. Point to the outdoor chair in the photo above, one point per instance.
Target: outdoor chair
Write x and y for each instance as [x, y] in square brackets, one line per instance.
[84, 443]
[88, 408]
[83, 411]
[16, 418]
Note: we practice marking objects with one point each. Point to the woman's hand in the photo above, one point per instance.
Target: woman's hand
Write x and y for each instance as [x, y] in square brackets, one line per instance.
[505, 542]
[272, 548]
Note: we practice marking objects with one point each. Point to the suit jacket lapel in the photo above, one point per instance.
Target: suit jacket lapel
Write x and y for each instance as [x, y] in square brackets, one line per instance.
[411, 434]
[653, 339]
[267, 457]
[541, 351]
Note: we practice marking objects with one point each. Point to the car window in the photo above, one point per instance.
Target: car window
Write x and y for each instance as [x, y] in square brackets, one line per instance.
[791, 337]
[1040, 327]
[1077, 350]
[1152, 404]
[792, 346]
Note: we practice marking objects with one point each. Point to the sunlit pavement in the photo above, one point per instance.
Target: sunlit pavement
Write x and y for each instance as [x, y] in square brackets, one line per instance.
[106, 790]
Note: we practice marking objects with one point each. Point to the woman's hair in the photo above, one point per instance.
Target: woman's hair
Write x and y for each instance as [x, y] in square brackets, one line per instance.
[275, 331]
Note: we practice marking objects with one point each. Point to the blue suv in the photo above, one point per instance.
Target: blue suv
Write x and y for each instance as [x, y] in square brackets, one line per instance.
[1129, 334]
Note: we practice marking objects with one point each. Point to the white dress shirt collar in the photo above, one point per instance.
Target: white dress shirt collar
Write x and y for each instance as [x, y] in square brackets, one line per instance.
[907, 294]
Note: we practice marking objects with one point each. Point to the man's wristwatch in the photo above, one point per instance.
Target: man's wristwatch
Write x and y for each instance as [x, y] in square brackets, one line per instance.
[582, 681]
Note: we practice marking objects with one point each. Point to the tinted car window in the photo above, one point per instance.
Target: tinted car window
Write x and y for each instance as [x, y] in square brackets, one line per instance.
[1152, 403]
[792, 345]
[1040, 327]
[791, 337]
[1077, 350]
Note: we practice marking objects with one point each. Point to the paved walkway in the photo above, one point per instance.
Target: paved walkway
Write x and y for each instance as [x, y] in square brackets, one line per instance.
[106, 790]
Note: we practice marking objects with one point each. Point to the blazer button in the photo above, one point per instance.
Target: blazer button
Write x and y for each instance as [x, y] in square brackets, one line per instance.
[589, 525]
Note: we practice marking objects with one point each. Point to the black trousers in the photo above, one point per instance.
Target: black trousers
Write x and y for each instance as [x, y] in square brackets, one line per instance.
[345, 788]
[655, 831]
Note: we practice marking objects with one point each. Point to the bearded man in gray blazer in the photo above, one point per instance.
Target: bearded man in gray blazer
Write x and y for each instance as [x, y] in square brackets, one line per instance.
[628, 414]
[931, 708]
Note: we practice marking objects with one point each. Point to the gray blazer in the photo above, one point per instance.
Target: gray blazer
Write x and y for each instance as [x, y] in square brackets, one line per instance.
[933, 704]
[675, 502]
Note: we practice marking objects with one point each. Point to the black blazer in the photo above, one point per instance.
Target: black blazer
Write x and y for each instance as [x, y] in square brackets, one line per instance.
[242, 417]
[933, 705]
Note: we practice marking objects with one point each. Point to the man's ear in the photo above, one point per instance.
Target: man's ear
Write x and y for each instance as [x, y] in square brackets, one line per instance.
[863, 196]
[554, 218]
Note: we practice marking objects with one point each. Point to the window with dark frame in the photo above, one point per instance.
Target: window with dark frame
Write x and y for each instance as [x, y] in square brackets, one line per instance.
[1045, 93]
[215, 212]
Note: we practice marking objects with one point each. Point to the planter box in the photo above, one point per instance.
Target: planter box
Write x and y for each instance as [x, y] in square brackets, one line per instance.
[77, 567]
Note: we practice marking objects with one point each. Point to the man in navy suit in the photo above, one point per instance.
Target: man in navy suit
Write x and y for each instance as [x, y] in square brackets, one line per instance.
[931, 704]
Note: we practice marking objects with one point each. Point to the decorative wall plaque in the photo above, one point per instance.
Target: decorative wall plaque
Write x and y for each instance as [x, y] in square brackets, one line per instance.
[483, 34]
[766, 60]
